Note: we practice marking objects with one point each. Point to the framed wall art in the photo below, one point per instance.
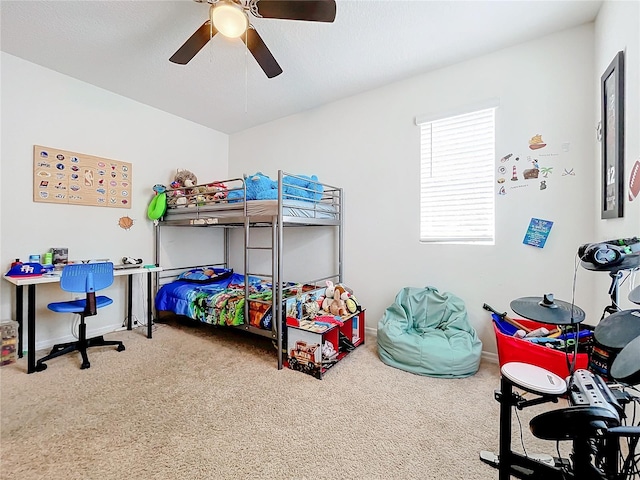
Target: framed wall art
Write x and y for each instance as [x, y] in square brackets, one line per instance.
[612, 98]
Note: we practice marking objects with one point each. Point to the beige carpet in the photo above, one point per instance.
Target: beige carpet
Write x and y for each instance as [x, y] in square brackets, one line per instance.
[206, 403]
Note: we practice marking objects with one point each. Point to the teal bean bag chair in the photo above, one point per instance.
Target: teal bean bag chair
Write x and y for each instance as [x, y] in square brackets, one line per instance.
[428, 333]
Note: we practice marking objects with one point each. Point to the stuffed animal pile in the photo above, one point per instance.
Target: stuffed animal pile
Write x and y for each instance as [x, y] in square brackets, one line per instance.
[185, 191]
[339, 300]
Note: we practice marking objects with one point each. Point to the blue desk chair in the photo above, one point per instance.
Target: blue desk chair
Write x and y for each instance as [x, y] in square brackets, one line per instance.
[82, 278]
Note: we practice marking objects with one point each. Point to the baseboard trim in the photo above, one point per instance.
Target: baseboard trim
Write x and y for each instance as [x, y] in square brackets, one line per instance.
[48, 343]
[371, 331]
[490, 357]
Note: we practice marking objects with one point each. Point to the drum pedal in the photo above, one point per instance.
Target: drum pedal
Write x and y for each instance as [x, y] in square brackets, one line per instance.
[492, 459]
[489, 458]
[543, 458]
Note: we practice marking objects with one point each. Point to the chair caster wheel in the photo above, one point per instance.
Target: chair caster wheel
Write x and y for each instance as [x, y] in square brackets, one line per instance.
[41, 367]
[120, 348]
[85, 365]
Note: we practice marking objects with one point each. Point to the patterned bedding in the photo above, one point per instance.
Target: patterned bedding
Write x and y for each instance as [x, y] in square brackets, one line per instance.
[220, 301]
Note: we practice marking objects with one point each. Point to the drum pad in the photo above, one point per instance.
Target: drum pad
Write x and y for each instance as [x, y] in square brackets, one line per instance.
[572, 422]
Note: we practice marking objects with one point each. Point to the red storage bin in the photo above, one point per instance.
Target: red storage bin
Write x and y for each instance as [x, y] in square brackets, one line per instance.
[513, 349]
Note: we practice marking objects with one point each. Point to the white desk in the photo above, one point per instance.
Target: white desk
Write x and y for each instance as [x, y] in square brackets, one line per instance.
[32, 282]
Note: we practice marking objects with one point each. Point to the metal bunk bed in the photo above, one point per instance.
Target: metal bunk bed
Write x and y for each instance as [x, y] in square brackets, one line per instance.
[292, 208]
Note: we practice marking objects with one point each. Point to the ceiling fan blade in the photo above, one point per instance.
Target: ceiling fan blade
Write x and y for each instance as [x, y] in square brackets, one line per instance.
[261, 53]
[194, 44]
[309, 10]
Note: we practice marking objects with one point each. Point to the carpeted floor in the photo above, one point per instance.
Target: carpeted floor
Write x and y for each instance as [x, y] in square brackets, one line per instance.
[197, 402]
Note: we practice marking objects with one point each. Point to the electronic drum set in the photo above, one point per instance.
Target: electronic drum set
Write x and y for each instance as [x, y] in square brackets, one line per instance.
[603, 447]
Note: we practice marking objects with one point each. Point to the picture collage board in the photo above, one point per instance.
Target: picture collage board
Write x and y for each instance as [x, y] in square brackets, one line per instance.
[61, 176]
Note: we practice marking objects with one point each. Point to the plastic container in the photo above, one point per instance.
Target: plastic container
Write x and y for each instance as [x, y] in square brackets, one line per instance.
[513, 349]
[9, 329]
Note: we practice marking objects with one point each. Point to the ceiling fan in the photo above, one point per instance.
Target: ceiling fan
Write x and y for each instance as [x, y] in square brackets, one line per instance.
[230, 18]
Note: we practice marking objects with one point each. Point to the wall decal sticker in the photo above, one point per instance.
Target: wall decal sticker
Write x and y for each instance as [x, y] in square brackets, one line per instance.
[530, 173]
[536, 142]
[546, 171]
[125, 223]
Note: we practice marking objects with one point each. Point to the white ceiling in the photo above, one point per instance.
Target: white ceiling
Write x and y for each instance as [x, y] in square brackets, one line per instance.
[124, 47]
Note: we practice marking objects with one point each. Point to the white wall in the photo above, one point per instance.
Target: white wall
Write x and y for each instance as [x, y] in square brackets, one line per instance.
[617, 28]
[369, 144]
[42, 107]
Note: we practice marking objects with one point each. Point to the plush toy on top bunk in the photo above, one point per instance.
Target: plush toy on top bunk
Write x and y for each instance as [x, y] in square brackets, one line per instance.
[299, 187]
[187, 192]
[183, 180]
[259, 187]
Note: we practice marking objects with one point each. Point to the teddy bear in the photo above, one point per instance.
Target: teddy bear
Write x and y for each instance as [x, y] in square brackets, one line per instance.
[338, 306]
[181, 186]
[184, 178]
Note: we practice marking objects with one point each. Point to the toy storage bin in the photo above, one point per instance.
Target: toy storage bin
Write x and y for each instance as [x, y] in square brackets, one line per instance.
[513, 349]
[9, 329]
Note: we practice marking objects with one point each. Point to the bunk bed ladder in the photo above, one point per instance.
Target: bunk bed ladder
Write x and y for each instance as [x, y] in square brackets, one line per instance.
[276, 301]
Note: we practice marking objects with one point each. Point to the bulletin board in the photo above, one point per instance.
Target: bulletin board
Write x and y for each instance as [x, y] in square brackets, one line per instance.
[60, 176]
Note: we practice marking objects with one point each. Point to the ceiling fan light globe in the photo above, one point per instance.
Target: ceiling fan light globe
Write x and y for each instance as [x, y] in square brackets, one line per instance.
[229, 19]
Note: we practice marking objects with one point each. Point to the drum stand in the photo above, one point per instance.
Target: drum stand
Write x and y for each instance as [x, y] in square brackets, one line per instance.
[613, 293]
[509, 462]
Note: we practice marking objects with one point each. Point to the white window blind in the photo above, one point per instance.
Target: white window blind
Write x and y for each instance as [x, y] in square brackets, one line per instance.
[457, 198]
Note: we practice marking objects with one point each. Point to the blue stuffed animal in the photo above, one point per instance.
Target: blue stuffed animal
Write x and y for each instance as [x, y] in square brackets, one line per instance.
[302, 187]
[298, 187]
[259, 187]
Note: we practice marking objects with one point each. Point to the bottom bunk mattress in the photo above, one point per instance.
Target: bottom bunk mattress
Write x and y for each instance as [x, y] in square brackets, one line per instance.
[216, 296]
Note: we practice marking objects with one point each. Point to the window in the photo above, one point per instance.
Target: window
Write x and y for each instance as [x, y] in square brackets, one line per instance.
[457, 197]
